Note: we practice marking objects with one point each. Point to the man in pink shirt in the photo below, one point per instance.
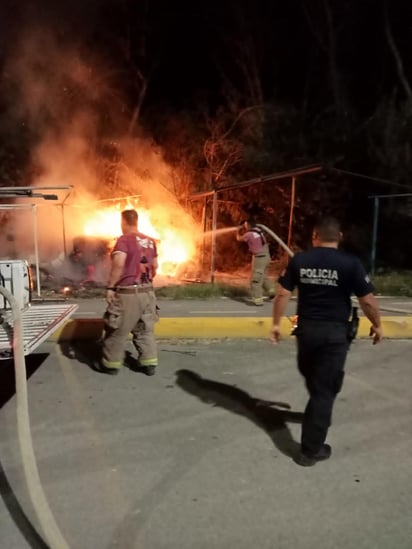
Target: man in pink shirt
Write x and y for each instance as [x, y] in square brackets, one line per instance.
[131, 299]
[259, 249]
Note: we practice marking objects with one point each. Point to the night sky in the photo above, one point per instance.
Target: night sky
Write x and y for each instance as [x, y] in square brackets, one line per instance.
[328, 69]
[189, 48]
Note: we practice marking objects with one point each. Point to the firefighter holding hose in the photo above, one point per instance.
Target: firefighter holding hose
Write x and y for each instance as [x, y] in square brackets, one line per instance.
[131, 299]
[258, 246]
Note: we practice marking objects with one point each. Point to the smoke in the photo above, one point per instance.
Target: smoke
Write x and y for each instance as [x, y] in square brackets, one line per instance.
[70, 100]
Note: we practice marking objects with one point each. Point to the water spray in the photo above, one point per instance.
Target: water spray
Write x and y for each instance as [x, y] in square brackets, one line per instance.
[217, 232]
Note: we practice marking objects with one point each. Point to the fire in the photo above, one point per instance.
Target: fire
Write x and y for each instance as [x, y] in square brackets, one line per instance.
[175, 246]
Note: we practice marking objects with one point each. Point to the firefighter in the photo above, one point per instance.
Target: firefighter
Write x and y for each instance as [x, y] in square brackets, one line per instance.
[131, 299]
[259, 248]
[325, 278]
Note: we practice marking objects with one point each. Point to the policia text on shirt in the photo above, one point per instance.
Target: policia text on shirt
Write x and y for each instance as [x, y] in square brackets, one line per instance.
[325, 278]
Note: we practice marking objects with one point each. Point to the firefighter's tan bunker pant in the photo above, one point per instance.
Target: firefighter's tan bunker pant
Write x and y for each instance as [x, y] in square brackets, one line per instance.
[135, 312]
[259, 278]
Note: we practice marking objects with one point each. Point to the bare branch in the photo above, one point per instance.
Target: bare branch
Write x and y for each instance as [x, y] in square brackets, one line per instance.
[239, 116]
[397, 56]
[318, 36]
[136, 111]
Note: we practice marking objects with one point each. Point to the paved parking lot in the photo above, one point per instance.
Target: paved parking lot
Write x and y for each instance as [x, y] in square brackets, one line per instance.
[200, 456]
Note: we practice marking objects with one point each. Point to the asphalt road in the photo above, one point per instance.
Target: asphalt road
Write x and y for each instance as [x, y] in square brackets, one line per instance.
[215, 307]
[188, 459]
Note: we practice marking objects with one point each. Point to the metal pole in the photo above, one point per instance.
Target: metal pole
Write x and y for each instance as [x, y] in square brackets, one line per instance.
[292, 207]
[204, 221]
[36, 247]
[64, 231]
[374, 233]
[64, 222]
[214, 221]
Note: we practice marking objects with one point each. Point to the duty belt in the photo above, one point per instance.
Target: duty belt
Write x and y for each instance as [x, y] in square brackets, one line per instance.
[134, 289]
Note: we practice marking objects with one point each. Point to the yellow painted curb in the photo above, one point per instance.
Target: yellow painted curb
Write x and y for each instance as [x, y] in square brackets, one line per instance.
[394, 327]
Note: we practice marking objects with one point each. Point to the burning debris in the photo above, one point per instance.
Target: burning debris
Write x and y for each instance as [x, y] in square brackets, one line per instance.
[87, 264]
[176, 243]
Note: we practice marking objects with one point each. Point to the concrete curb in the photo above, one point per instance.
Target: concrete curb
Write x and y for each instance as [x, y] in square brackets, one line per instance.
[395, 327]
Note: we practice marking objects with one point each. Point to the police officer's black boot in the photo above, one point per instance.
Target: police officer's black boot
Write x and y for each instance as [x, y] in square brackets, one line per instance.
[307, 460]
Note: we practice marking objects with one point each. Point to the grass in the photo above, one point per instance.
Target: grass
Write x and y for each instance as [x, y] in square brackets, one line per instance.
[201, 291]
[393, 283]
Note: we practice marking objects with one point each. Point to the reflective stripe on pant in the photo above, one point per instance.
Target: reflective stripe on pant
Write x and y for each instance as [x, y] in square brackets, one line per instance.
[130, 313]
[259, 279]
[322, 350]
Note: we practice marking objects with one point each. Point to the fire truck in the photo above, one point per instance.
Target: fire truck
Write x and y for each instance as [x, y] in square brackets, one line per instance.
[39, 320]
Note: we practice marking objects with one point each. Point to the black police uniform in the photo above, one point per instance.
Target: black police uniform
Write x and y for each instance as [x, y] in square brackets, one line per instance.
[325, 278]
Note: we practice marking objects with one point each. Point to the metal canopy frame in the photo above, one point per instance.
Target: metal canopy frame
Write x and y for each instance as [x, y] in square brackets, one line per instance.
[376, 198]
[293, 175]
[45, 193]
[290, 174]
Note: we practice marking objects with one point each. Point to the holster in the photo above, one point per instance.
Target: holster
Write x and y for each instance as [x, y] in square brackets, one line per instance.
[353, 325]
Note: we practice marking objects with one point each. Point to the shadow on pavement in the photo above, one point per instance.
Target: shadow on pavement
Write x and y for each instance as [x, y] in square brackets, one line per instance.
[17, 514]
[263, 413]
[87, 351]
[82, 329]
[7, 377]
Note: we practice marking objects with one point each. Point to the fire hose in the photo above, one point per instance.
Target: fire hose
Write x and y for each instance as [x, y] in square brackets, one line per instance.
[38, 498]
[277, 238]
[293, 319]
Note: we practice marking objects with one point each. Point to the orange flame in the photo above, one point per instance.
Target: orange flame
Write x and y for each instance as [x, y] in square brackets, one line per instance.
[174, 246]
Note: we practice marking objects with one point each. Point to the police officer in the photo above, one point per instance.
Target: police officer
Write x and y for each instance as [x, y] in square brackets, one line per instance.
[325, 278]
[259, 249]
[131, 299]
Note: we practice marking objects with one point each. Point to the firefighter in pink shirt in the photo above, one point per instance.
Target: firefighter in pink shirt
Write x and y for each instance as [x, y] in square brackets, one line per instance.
[131, 299]
[259, 249]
